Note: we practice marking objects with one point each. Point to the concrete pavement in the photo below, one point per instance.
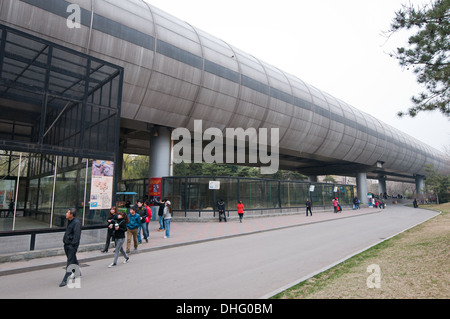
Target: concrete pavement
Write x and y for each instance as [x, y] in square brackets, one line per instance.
[254, 259]
[186, 233]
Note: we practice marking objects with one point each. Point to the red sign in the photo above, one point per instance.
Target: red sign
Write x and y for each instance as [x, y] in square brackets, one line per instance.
[154, 188]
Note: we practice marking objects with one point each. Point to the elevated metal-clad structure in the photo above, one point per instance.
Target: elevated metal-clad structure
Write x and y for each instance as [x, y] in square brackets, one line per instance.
[176, 73]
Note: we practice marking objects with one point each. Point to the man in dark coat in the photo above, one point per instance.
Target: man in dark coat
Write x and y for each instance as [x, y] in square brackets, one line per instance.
[221, 208]
[308, 207]
[142, 212]
[71, 242]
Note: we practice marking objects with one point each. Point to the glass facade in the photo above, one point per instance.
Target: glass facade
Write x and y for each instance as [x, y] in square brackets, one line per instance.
[47, 186]
[60, 110]
[189, 194]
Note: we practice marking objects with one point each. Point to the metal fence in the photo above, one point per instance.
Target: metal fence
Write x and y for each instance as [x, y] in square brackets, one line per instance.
[193, 194]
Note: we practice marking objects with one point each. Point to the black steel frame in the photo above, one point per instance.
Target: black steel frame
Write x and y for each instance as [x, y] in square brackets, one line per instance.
[76, 97]
[57, 101]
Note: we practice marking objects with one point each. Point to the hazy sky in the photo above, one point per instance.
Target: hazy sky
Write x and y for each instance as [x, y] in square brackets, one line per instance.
[337, 46]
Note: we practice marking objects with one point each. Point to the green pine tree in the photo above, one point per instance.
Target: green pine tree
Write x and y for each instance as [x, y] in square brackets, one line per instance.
[427, 53]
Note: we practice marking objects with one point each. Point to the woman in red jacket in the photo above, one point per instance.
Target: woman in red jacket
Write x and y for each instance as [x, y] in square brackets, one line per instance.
[240, 208]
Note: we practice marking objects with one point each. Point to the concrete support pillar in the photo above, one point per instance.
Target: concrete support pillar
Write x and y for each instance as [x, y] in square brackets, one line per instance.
[361, 186]
[420, 185]
[160, 152]
[382, 184]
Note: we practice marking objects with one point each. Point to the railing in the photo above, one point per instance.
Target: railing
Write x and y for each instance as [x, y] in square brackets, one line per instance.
[34, 232]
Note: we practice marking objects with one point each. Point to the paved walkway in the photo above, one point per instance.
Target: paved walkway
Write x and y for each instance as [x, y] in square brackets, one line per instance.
[186, 233]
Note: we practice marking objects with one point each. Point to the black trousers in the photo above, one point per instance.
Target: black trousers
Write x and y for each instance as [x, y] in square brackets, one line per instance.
[71, 254]
[308, 209]
[222, 215]
[109, 236]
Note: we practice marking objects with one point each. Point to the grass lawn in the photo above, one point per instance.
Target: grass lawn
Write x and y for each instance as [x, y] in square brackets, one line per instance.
[412, 265]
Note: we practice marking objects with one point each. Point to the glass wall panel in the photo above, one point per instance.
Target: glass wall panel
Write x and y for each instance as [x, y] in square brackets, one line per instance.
[174, 191]
[228, 192]
[293, 194]
[345, 194]
[34, 210]
[323, 194]
[65, 193]
[70, 192]
[199, 196]
[247, 193]
[7, 198]
[255, 193]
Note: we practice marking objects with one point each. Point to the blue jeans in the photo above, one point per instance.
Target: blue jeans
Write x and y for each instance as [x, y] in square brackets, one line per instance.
[161, 223]
[144, 231]
[167, 224]
[119, 248]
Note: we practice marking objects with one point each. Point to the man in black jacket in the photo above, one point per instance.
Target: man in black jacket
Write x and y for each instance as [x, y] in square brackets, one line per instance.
[71, 242]
[221, 208]
[142, 211]
[308, 207]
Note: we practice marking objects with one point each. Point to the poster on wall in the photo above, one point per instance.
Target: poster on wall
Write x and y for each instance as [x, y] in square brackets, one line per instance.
[6, 193]
[101, 184]
[154, 188]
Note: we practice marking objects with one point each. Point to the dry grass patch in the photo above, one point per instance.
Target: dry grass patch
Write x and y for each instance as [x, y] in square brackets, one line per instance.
[413, 265]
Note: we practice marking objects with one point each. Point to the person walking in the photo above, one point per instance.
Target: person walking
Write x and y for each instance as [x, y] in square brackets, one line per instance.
[120, 227]
[221, 209]
[240, 208]
[167, 216]
[132, 228]
[71, 241]
[335, 205]
[113, 213]
[308, 207]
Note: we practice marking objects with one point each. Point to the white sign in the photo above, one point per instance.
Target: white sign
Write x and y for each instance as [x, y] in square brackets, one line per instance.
[311, 188]
[214, 185]
[101, 184]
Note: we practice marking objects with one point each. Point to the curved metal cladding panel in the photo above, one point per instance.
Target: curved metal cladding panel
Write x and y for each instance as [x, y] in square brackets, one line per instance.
[253, 98]
[175, 73]
[217, 96]
[297, 137]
